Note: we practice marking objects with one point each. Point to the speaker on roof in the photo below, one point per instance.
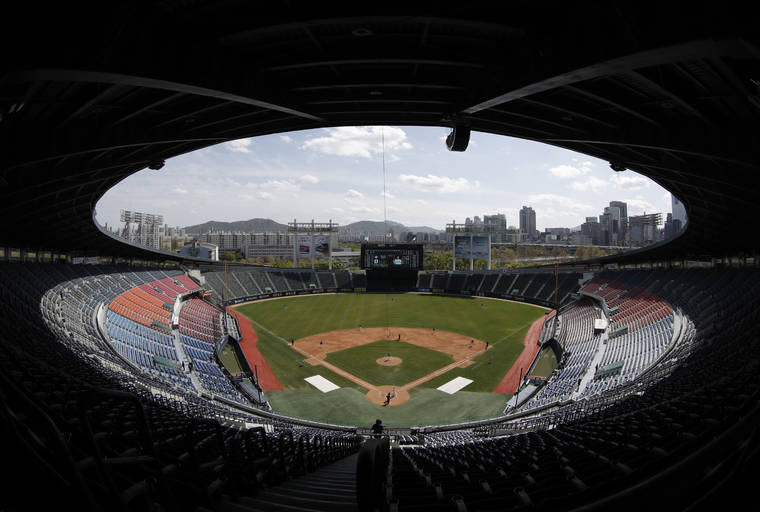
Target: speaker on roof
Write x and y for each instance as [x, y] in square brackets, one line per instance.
[458, 138]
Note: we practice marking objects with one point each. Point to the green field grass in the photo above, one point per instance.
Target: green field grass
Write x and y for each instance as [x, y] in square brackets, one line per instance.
[289, 367]
[417, 362]
[350, 407]
[502, 324]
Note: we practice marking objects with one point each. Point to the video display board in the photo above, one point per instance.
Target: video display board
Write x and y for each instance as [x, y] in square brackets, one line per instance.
[391, 256]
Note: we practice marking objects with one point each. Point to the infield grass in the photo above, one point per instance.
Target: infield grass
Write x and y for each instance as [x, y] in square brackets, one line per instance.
[289, 366]
[416, 362]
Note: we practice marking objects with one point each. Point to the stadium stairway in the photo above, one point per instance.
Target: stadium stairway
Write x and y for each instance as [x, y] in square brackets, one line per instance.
[332, 488]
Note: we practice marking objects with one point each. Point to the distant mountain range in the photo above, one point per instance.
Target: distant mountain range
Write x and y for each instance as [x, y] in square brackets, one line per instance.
[268, 225]
[248, 226]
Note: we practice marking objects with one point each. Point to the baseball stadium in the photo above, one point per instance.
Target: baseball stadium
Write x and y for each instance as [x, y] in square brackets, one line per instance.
[139, 379]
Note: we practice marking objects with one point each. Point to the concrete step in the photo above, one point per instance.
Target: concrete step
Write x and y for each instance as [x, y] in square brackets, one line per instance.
[332, 488]
[315, 493]
[275, 503]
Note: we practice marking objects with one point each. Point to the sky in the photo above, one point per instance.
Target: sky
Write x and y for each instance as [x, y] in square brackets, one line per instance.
[337, 174]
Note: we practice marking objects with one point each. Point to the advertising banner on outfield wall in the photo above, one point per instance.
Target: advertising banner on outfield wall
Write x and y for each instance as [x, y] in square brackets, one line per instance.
[322, 246]
[303, 243]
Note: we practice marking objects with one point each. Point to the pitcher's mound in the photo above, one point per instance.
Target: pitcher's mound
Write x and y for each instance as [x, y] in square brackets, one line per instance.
[377, 396]
[389, 361]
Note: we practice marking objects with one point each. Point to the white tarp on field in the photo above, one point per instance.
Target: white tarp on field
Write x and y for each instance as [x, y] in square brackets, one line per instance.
[455, 385]
[321, 383]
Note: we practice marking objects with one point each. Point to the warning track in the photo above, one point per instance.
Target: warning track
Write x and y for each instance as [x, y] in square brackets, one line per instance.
[265, 375]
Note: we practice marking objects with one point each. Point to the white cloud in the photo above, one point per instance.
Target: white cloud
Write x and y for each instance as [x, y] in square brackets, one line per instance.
[261, 196]
[363, 209]
[440, 184]
[180, 190]
[388, 194]
[239, 146]
[286, 185]
[558, 201]
[286, 138]
[639, 205]
[308, 178]
[629, 182]
[570, 171]
[590, 183]
[353, 194]
[363, 141]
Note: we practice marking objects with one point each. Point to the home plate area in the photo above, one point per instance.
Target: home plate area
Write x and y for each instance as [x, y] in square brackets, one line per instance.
[454, 385]
[321, 383]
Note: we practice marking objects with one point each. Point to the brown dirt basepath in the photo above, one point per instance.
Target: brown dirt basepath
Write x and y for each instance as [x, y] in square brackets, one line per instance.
[461, 348]
[456, 345]
[378, 395]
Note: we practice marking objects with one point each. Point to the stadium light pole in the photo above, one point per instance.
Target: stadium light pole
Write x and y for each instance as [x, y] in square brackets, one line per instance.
[295, 245]
[454, 246]
[471, 258]
[311, 242]
[489, 251]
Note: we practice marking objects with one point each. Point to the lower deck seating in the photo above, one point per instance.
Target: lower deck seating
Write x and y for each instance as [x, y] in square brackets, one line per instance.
[100, 436]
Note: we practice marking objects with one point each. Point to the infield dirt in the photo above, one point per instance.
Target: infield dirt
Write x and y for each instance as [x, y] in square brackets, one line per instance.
[461, 348]
[457, 346]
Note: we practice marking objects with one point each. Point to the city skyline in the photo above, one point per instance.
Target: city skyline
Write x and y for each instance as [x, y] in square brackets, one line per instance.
[336, 173]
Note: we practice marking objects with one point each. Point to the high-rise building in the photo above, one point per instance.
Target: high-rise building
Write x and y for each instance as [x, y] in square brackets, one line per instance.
[592, 231]
[623, 207]
[496, 225]
[679, 210]
[528, 222]
[498, 221]
[142, 228]
[613, 227]
[643, 228]
[672, 226]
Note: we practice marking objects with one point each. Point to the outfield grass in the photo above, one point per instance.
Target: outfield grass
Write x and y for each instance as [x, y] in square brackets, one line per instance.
[298, 317]
[426, 407]
[502, 324]
[416, 362]
[289, 367]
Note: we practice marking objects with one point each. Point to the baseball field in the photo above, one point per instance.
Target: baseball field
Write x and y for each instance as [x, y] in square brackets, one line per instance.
[370, 345]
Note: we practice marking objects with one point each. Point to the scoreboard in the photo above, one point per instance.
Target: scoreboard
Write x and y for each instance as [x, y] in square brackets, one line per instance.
[391, 256]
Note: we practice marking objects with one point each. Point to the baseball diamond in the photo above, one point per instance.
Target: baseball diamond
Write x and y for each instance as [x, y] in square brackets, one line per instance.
[432, 339]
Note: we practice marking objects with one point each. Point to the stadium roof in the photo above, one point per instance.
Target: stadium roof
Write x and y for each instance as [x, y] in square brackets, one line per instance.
[90, 94]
